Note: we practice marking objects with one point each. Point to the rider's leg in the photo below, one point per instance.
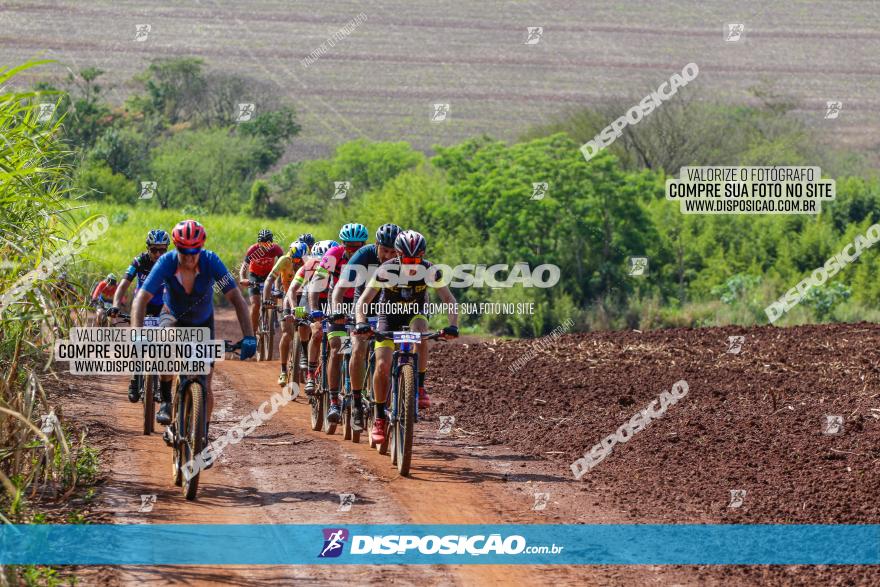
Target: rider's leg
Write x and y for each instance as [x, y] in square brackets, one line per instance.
[381, 376]
[284, 346]
[334, 342]
[420, 324]
[163, 416]
[357, 367]
[255, 311]
[305, 336]
[317, 335]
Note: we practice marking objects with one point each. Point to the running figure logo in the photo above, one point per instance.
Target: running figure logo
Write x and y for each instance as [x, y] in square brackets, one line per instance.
[734, 32]
[638, 266]
[832, 109]
[340, 189]
[446, 424]
[539, 189]
[737, 498]
[147, 503]
[440, 112]
[734, 344]
[833, 425]
[148, 190]
[334, 541]
[142, 31]
[47, 110]
[245, 112]
[346, 500]
[536, 33]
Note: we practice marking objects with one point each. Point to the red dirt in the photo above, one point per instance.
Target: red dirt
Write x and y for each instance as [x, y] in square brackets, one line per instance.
[680, 469]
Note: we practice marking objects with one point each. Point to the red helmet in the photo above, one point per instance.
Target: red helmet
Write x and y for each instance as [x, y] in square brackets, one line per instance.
[189, 234]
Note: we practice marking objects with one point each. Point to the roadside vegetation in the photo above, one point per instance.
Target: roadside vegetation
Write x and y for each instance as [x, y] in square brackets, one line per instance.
[473, 200]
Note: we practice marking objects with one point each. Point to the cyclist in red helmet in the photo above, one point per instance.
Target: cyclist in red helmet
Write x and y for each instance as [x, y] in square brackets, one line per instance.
[188, 275]
[396, 284]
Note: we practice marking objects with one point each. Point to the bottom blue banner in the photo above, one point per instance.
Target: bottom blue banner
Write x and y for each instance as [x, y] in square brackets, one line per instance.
[612, 544]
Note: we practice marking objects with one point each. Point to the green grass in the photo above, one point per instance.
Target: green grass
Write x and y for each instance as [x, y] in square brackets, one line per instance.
[228, 235]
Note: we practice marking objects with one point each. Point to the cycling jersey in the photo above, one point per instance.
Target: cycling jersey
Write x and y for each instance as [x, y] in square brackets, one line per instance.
[104, 290]
[366, 257]
[331, 265]
[261, 257]
[393, 289]
[284, 270]
[140, 267]
[304, 275]
[195, 307]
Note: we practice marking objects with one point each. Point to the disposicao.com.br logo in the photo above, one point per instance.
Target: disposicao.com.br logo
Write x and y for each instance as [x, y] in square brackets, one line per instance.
[451, 544]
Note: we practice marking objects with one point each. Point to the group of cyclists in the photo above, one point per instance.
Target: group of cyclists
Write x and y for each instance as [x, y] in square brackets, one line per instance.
[324, 278]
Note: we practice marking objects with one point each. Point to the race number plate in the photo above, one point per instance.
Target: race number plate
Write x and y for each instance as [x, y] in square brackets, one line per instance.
[151, 321]
[400, 337]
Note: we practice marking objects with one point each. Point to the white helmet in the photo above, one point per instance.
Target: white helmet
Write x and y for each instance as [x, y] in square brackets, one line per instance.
[320, 248]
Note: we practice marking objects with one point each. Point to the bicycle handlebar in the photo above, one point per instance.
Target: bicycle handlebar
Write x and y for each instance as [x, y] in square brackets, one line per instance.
[381, 335]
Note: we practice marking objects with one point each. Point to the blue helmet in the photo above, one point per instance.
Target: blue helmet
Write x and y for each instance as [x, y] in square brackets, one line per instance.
[298, 250]
[354, 233]
[306, 238]
[157, 236]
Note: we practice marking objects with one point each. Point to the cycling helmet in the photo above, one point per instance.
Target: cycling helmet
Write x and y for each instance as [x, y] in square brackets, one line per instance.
[354, 233]
[265, 236]
[410, 243]
[307, 238]
[320, 249]
[386, 234]
[189, 234]
[157, 236]
[298, 250]
[111, 278]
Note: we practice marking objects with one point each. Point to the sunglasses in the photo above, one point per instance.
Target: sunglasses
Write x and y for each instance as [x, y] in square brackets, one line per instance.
[156, 251]
[352, 246]
[410, 260]
[188, 251]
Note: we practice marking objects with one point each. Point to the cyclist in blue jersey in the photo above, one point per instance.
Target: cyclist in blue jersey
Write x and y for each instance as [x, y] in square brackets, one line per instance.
[157, 245]
[359, 270]
[188, 275]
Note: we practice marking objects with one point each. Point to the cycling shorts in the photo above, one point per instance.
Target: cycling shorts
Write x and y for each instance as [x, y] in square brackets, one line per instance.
[256, 286]
[395, 322]
[167, 320]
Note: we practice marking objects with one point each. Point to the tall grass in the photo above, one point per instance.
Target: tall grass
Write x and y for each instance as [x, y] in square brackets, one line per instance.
[229, 235]
[35, 221]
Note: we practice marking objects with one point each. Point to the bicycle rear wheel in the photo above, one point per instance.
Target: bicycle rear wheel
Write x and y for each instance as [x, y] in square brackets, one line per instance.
[270, 335]
[403, 430]
[174, 430]
[148, 396]
[194, 434]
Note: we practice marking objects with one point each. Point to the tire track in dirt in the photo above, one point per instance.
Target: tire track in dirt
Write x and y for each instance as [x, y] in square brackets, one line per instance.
[285, 473]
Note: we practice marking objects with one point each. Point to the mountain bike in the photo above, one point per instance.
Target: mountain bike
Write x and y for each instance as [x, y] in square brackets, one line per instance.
[404, 393]
[148, 387]
[188, 432]
[266, 329]
[320, 395]
[328, 426]
[297, 363]
[349, 432]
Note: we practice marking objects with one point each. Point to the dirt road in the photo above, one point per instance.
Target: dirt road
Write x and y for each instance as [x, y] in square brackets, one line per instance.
[285, 473]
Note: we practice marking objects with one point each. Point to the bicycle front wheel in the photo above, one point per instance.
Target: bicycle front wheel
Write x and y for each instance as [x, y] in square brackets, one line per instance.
[403, 429]
[148, 396]
[193, 426]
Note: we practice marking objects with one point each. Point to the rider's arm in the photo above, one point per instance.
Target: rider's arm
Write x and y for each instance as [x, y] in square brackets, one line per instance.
[267, 287]
[363, 302]
[447, 298]
[336, 299]
[241, 311]
[317, 284]
[121, 290]
[99, 289]
[139, 308]
[292, 293]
